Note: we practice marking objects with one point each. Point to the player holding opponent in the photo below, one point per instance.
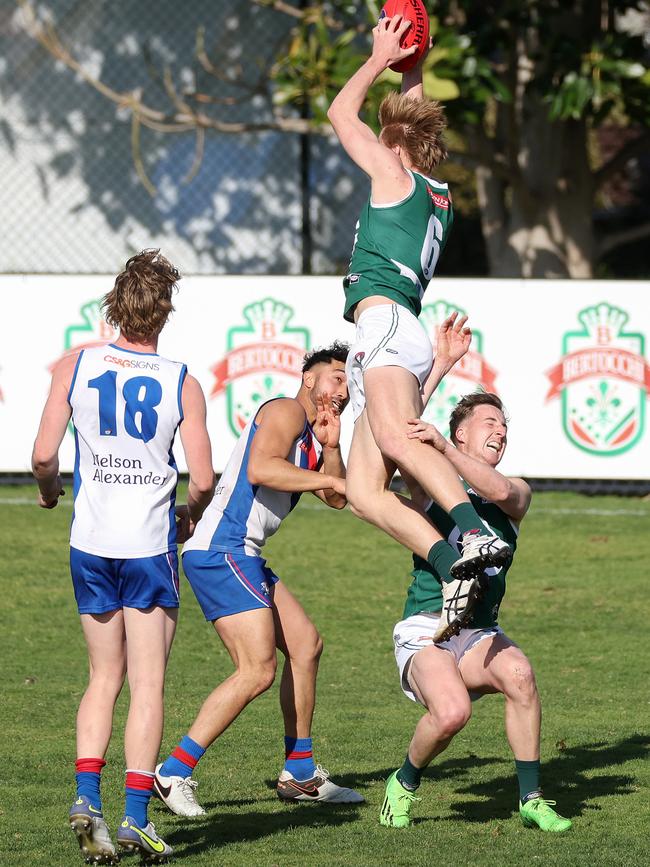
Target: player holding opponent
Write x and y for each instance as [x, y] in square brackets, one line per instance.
[400, 235]
[126, 403]
[446, 677]
[289, 447]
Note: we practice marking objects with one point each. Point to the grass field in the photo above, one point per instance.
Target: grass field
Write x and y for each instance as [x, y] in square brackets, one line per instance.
[577, 603]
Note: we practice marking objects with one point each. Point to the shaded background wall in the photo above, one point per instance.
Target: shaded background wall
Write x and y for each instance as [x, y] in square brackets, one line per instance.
[71, 198]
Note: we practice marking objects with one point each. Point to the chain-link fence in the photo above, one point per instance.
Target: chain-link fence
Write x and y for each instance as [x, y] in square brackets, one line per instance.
[100, 154]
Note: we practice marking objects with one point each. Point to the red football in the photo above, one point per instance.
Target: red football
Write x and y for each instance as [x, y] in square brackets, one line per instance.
[418, 32]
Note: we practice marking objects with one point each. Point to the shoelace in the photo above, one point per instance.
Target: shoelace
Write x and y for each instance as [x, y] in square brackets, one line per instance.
[407, 796]
[540, 803]
[187, 787]
[322, 773]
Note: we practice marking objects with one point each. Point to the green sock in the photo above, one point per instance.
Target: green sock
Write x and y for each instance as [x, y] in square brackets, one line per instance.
[528, 774]
[466, 519]
[409, 776]
[441, 557]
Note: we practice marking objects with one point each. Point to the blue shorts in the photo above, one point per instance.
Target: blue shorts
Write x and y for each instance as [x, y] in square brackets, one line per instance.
[228, 583]
[105, 583]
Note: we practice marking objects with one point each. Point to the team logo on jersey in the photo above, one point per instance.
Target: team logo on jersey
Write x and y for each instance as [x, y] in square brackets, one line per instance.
[603, 380]
[470, 373]
[263, 360]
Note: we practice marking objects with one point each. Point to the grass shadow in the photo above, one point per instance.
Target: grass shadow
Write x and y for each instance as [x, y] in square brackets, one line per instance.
[214, 831]
[563, 777]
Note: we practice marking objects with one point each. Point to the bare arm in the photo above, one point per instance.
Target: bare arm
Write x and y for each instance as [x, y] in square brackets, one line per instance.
[198, 451]
[511, 495]
[327, 429]
[454, 339]
[389, 178]
[279, 423]
[55, 418]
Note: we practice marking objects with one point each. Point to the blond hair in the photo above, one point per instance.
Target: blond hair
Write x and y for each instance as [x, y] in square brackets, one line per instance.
[141, 299]
[415, 125]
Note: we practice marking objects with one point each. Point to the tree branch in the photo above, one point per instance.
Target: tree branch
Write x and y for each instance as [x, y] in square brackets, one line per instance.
[624, 236]
[619, 160]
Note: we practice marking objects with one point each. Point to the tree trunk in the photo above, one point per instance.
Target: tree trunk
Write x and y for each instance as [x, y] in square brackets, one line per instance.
[537, 223]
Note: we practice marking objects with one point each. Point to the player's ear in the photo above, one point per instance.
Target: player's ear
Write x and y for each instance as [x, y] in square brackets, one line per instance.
[460, 435]
[308, 379]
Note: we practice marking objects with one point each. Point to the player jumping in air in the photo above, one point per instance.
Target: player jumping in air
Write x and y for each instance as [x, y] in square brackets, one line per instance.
[126, 404]
[400, 234]
[447, 676]
[289, 447]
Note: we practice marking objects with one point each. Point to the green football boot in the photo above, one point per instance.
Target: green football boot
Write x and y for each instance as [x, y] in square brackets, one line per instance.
[540, 812]
[397, 804]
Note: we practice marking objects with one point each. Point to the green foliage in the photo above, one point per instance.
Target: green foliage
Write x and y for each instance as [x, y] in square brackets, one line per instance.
[575, 62]
[573, 604]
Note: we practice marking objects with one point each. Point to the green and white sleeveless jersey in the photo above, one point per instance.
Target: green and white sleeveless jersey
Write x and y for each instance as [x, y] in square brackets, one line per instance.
[396, 247]
[425, 592]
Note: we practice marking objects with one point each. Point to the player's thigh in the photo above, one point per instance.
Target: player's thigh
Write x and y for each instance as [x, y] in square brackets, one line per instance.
[149, 636]
[392, 397]
[437, 684]
[368, 469]
[106, 642]
[490, 665]
[295, 634]
[249, 638]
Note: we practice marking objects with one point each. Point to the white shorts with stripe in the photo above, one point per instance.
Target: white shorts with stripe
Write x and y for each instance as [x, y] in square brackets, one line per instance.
[388, 335]
[416, 632]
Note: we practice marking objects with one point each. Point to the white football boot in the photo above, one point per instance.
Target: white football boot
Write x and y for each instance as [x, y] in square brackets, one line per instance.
[318, 788]
[177, 793]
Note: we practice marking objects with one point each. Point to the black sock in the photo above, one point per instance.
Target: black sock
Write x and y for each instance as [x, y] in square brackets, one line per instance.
[409, 776]
[441, 557]
[467, 520]
[528, 774]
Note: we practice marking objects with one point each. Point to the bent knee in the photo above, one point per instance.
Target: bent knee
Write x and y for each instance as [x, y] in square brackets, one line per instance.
[258, 678]
[452, 719]
[521, 685]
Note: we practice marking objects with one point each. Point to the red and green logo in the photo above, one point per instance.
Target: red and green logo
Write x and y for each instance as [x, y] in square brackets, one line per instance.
[263, 360]
[469, 374]
[92, 330]
[603, 381]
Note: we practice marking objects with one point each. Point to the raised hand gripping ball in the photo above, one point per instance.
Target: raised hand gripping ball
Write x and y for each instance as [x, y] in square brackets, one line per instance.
[417, 33]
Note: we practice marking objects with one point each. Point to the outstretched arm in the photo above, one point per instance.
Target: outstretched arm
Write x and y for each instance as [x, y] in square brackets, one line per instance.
[512, 495]
[454, 338]
[358, 140]
[55, 418]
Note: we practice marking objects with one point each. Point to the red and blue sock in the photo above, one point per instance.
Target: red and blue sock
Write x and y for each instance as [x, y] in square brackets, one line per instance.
[299, 759]
[88, 772]
[138, 789]
[183, 759]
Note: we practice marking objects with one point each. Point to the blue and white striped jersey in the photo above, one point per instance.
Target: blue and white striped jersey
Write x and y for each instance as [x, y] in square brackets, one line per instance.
[243, 516]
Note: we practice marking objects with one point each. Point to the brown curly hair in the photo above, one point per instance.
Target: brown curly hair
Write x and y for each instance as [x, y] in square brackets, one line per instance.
[415, 125]
[140, 302]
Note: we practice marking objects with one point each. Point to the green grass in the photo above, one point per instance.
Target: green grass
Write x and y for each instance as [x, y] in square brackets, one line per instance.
[577, 604]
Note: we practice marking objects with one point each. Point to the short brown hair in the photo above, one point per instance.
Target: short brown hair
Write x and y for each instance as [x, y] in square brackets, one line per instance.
[141, 299]
[465, 407]
[416, 125]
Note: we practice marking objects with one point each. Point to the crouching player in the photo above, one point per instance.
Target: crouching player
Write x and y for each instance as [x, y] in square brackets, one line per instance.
[447, 675]
[126, 404]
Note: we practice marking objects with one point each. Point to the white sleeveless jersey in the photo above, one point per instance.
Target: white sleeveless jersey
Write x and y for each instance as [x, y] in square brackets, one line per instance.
[126, 407]
[243, 516]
